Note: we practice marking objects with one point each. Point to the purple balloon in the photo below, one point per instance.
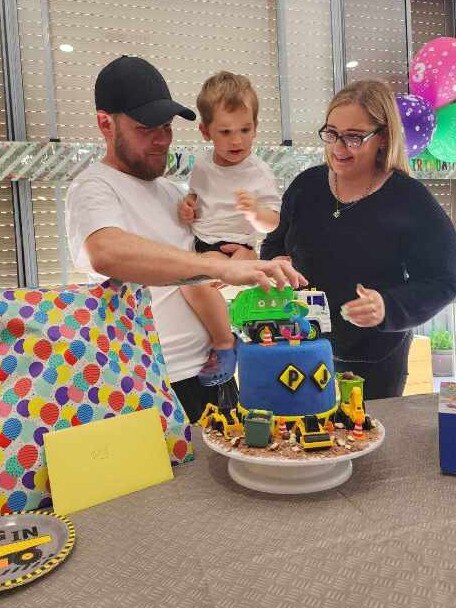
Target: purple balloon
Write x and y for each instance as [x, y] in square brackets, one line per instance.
[418, 122]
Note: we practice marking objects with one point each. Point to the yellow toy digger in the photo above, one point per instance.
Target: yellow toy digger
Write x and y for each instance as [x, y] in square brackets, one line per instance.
[352, 410]
[224, 420]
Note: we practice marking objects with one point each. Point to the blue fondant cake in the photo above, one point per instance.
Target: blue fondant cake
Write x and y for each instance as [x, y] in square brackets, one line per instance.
[289, 380]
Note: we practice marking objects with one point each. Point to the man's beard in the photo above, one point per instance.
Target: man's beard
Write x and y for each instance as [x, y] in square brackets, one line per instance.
[136, 166]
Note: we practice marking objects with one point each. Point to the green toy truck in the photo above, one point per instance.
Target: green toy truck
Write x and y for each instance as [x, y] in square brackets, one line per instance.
[253, 309]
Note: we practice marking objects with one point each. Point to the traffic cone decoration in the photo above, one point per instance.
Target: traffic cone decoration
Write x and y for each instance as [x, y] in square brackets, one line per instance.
[266, 337]
[329, 426]
[358, 432]
[282, 431]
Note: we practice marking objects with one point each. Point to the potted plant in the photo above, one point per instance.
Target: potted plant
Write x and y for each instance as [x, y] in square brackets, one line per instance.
[442, 352]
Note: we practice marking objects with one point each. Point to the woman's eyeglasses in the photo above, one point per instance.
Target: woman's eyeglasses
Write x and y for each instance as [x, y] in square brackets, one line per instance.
[351, 141]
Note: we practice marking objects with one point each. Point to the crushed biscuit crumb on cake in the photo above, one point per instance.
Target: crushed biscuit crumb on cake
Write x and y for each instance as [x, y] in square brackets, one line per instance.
[344, 443]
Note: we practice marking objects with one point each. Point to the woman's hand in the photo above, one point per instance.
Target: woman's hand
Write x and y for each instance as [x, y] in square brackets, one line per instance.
[368, 310]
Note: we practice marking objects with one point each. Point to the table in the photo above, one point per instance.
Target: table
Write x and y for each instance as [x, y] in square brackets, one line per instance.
[384, 539]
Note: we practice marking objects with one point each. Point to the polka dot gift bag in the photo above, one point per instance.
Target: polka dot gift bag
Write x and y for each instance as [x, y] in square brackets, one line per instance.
[69, 356]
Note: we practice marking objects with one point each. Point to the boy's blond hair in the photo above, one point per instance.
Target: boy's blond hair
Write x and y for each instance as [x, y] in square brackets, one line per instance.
[378, 99]
[232, 91]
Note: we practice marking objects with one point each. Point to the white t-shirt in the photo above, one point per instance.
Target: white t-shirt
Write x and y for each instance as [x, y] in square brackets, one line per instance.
[215, 187]
[102, 197]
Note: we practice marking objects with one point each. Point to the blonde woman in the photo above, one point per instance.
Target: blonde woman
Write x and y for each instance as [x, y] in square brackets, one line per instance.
[360, 228]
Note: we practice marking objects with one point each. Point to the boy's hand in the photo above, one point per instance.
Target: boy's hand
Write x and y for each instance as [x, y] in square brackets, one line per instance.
[187, 209]
[247, 204]
[239, 252]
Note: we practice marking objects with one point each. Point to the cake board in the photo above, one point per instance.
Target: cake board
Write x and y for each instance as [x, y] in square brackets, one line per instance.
[286, 476]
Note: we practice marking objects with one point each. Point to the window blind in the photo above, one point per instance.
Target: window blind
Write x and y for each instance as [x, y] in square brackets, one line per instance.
[310, 72]
[3, 134]
[188, 41]
[431, 18]
[376, 41]
[8, 271]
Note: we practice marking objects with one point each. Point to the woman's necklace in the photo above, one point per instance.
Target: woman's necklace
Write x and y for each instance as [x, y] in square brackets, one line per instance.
[346, 205]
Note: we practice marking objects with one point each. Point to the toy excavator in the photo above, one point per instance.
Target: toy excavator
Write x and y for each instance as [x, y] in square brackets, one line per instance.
[353, 410]
[224, 416]
[225, 421]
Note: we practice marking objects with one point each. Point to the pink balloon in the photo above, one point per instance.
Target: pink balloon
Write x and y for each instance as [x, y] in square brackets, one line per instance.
[433, 72]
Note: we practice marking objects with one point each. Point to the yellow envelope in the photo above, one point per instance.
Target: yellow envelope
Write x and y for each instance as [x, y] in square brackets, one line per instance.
[104, 459]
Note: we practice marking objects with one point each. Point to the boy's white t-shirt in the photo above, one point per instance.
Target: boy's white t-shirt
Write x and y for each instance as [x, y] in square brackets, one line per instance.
[215, 187]
[102, 197]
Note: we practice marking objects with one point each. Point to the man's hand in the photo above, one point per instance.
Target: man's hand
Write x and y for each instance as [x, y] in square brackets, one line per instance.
[247, 204]
[260, 272]
[187, 209]
[368, 310]
[239, 252]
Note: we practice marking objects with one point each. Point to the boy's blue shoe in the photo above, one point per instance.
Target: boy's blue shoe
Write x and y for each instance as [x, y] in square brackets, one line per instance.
[219, 368]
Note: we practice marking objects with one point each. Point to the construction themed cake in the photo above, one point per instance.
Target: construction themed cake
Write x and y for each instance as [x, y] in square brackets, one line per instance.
[291, 401]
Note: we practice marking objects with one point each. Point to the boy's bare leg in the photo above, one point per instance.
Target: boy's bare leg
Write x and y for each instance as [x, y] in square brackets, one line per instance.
[210, 307]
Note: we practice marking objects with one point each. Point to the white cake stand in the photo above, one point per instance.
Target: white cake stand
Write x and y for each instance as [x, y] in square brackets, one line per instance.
[285, 476]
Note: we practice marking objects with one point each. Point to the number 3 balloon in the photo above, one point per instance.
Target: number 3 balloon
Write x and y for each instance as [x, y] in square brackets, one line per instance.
[433, 72]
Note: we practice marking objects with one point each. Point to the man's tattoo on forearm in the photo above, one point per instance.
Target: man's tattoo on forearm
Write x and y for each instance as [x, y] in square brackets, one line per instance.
[199, 278]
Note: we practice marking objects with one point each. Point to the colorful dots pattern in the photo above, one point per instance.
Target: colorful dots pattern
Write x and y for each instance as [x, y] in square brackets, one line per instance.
[70, 356]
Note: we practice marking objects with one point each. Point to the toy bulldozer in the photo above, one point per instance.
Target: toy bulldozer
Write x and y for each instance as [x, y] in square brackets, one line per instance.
[310, 433]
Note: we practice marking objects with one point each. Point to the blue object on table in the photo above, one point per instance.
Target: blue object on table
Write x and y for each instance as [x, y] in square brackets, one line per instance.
[447, 427]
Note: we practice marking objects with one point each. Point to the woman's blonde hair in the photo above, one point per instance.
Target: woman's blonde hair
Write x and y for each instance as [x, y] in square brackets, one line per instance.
[378, 99]
[232, 91]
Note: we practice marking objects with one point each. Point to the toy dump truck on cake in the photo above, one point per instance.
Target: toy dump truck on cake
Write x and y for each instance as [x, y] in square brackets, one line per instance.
[252, 310]
[351, 407]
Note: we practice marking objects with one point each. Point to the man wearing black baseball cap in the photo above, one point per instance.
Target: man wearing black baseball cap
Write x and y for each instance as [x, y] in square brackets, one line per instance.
[132, 86]
[121, 219]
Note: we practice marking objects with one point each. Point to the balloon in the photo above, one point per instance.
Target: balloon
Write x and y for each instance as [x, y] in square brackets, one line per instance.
[443, 143]
[418, 122]
[433, 71]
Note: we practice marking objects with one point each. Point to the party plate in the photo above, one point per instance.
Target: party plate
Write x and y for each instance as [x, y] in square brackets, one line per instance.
[31, 545]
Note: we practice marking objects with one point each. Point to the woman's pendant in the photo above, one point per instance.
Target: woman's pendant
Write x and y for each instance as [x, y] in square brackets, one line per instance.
[336, 213]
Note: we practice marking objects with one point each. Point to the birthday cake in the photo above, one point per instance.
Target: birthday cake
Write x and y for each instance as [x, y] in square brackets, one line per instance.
[291, 401]
[289, 380]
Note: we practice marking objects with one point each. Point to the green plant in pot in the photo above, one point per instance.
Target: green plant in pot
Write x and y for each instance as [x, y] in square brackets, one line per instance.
[442, 352]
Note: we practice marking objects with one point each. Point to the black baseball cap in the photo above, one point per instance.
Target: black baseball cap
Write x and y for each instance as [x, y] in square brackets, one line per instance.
[133, 86]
